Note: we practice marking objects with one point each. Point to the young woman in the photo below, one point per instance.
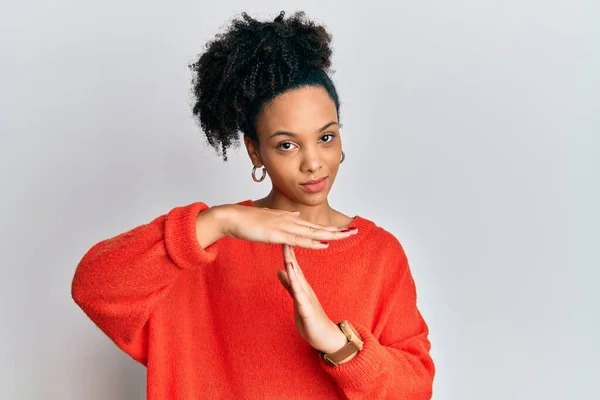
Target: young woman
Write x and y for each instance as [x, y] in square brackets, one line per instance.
[278, 298]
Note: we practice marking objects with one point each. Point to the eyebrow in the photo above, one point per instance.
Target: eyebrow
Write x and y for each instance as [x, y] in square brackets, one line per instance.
[284, 133]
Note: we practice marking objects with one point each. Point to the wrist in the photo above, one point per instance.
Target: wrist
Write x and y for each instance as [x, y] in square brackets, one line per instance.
[336, 340]
[209, 226]
[343, 353]
[222, 215]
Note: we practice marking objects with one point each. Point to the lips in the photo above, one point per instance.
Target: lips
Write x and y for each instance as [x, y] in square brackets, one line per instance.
[315, 186]
[313, 181]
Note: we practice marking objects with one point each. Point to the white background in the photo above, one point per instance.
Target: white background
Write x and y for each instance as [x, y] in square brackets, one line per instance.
[470, 130]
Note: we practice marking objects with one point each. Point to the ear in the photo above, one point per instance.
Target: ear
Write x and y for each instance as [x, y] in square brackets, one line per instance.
[253, 152]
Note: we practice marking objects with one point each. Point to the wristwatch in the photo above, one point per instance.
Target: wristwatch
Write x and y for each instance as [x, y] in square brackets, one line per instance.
[354, 345]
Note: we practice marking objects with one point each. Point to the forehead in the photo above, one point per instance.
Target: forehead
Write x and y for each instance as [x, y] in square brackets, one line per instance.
[299, 110]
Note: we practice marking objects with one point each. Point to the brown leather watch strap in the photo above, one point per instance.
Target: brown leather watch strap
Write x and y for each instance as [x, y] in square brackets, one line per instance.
[353, 346]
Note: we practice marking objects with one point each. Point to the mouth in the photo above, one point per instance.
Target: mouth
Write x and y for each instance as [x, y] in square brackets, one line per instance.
[313, 181]
[315, 186]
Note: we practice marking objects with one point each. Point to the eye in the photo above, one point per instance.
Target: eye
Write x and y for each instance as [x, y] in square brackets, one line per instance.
[280, 146]
[330, 135]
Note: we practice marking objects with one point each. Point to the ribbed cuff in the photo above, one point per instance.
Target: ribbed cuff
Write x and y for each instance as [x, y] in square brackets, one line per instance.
[181, 240]
[363, 368]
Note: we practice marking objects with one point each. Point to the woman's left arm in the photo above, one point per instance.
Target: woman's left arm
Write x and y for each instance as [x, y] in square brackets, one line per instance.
[394, 363]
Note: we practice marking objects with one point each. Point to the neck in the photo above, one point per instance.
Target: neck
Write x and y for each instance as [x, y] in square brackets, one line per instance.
[321, 213]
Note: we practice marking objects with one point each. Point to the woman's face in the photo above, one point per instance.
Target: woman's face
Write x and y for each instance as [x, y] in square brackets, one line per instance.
[299, 142]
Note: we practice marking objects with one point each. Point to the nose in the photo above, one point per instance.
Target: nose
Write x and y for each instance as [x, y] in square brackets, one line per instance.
[311, 159]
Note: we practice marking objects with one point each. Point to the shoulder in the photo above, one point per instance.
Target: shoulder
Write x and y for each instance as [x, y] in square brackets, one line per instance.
[383, 235]
[384, 241]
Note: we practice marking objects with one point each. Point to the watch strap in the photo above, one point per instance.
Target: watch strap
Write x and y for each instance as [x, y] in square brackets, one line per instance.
[354, 345]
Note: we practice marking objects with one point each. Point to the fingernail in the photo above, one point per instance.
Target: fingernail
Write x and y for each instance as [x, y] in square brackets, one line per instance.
[349, 229]
[324, 242]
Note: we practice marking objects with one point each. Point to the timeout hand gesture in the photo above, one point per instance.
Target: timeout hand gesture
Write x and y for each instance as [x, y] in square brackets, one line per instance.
[288, 229]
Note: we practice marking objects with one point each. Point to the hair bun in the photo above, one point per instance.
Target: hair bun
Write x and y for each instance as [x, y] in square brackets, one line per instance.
[250, 63]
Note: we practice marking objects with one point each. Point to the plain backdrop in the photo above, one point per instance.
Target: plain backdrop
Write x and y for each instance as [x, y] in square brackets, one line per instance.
[470, 130]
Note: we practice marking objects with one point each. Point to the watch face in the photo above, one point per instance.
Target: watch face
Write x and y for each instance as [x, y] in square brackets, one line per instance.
[348, 329]
[354, 336]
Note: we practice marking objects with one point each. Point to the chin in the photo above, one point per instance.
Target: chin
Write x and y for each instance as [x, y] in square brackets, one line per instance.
[314, 199]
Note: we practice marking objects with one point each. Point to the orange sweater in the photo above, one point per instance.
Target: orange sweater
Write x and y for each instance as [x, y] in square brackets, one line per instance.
[216, 323]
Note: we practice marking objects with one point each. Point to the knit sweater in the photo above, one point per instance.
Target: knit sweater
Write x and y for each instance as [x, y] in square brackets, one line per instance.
[216, 323]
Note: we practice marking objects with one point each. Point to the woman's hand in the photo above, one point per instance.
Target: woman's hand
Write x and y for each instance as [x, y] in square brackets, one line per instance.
[312, 322]
[275, 226]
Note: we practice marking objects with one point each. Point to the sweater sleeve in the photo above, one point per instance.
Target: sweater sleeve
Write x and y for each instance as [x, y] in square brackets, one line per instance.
[395, 364]
[119, 281]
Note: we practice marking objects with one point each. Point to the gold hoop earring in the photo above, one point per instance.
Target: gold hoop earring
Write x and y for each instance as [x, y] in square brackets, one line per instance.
[262, 178]
[343, 157]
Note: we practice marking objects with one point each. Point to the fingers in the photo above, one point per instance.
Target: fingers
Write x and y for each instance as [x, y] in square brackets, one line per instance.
[312, 237]
[290, 257]
[298, 232]
[304, 222]
[298, 289]
[309, 224]
[283, 278]
[288, 254]
[307, 243]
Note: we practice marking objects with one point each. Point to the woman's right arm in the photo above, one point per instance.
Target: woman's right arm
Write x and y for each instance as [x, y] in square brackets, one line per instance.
[120, 280]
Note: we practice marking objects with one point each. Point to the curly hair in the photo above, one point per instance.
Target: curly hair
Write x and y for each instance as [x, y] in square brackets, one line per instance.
[251, 63]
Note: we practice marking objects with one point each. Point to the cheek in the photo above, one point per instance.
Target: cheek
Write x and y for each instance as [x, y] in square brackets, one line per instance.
[281, 174]
[333, 158]
[284, 183]
[333, 170]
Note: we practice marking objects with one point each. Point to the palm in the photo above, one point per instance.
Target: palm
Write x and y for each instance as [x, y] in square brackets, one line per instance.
[311, 320]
